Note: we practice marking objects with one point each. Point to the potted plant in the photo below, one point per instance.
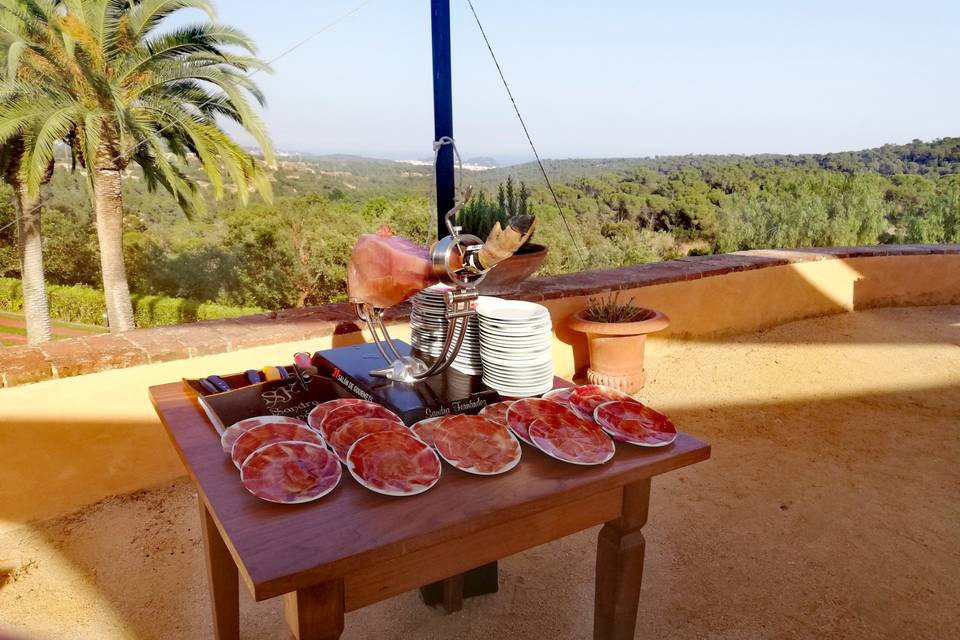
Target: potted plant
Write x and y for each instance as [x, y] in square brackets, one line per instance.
[480, 215]
[616, 337]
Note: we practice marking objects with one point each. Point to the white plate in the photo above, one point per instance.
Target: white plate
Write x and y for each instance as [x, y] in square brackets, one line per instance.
[513, 329]
[515, 310]
[518, 392]
[576, 462]
[519, 367]
[351, 467]
[509, 341]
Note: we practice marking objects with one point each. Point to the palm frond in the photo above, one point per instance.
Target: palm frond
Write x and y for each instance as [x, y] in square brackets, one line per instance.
[147, 14]
[39, 147]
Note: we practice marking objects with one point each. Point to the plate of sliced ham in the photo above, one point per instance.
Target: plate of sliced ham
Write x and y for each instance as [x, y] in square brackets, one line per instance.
[425, 429]
[319, 412]
[234, 431]
[290, 472]
[265, 434]
[360, 409]
[635, 423]
[560, 396]
[585, 398]
[497, 412]
[343, 438]
[522, 414]
[393, 463]
[574, 441]
[477, 445]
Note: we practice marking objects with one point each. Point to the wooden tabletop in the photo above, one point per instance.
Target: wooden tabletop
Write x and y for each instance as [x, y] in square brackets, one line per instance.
[281, 548]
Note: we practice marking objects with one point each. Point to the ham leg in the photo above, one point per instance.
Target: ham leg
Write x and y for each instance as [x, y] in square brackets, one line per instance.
[386, 269]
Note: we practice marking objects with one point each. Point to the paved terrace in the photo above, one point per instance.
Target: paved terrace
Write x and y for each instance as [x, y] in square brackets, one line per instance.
[830, 508]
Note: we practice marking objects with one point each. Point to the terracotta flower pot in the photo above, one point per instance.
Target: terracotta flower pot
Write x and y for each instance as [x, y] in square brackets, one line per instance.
[505, 277]
[616, 348]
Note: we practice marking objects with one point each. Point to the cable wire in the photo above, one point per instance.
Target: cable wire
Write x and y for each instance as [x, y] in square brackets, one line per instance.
[526, 132]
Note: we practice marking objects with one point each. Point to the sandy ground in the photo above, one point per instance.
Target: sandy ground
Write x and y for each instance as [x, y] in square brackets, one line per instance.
[830, 509]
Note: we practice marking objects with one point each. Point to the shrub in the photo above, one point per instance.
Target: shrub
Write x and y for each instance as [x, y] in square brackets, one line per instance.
[214, 311]
[609, 309]
[79, 303]
[480, 215]
[11, 294]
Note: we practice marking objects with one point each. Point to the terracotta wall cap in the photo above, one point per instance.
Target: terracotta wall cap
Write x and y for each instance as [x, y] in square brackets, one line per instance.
[77, 356]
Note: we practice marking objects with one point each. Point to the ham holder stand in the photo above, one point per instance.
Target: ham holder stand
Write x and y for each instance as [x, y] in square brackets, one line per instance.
[452, 258]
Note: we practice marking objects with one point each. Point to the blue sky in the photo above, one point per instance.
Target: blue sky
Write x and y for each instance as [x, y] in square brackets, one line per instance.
[612, 77]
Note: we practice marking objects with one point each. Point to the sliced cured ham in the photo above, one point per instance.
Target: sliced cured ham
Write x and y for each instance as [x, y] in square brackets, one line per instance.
[319, 412]
[585, 398]
[522, 414]
[343, 438]
[477, 445]
[560, 396]
[265, 434]
[425, 429]
[393, 463]
[635, 423]
[576, 442]
[345, 413]
[289, 472]
[497, 412]
[234, 431]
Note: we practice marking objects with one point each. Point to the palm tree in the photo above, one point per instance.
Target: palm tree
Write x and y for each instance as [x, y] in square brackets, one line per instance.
[121, 90]
[28, 208]
[29, 243]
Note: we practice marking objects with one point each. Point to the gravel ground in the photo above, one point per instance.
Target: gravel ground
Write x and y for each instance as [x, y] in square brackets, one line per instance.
[830, 509]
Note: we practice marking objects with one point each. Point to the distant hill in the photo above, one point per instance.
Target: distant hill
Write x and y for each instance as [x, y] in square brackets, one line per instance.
[938, 157]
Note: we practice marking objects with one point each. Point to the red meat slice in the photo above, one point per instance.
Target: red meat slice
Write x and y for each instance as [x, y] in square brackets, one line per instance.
[345, 413]
[522, 413]
[576, 442]
[584, 399]
[560, 396]
[343, 438]
[319, 412]
[477, 445]
[496, 412]
[636, 423]
[265, 434]
[290, 472]
[425, 429]
[234, 431]
[393, 463]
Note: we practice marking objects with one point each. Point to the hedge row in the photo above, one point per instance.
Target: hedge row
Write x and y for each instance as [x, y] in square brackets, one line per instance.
[79, 303]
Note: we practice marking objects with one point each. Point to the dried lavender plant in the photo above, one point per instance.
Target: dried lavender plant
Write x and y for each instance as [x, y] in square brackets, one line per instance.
[609, 309]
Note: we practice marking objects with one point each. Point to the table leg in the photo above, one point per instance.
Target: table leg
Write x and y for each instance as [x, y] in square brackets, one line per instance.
[222, 580]
[620, 567]
[453, 594]
[316, 613]
[450, 593]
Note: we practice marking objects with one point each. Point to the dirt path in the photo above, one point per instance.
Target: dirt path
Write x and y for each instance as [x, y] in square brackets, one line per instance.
[830, 509]
[61, 330]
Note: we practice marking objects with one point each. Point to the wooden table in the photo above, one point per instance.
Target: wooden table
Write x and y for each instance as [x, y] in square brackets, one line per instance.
[354, 547]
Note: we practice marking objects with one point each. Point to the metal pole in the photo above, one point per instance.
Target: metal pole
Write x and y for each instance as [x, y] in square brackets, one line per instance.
[442, 108]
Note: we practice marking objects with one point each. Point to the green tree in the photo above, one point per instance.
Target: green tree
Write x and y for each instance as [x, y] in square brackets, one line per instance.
[28, 205]
[120, 89]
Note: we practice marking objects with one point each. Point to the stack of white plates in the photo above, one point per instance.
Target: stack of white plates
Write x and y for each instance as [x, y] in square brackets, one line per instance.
[516, 346]
[428, 330]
